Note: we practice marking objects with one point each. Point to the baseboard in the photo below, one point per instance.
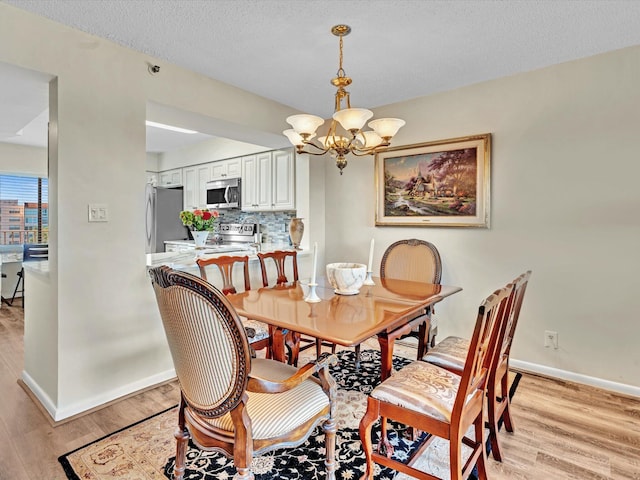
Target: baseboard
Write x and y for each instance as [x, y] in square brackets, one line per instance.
[62, 415]
[37, 394]
[620, 388]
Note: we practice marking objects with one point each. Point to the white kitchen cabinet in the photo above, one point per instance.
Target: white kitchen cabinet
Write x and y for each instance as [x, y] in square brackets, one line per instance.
[194, 183]
[170, 178]
[231, 168]
[268, 181]
[283, 195]
[152, 178]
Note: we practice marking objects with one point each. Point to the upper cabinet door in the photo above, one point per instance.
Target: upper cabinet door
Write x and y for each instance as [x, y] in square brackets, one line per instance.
[195, 192]
[234, 168]
[231, 168]
[249, 185]
[268, 181]
[171, 178]
[264, 194]
[283, 180]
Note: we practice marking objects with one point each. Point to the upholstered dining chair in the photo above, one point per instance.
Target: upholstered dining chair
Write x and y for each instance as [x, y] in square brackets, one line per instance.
[419, 261]
[293, 340]
[230, 402]
[438, 403]
[451, 352]
[259, 337]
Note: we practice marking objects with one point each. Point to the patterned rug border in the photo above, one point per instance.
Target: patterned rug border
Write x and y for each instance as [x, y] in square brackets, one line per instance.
[66, 466]
[342, 376]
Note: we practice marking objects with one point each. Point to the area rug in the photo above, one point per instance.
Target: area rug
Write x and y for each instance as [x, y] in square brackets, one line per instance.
[146, 450]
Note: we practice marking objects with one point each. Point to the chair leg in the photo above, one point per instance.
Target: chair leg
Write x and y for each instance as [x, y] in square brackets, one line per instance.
[357, 351]
[492, 420]
[318, 347]
[481, 464]
[366, 423]
[182, 441]
[330, 430]
[506, 414]
[455, 454]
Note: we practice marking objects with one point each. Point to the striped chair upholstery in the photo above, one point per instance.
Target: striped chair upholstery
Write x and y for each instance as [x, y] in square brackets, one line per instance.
[229, 401]
[257, 331]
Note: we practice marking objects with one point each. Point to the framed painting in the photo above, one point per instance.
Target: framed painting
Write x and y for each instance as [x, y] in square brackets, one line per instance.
[436, 184]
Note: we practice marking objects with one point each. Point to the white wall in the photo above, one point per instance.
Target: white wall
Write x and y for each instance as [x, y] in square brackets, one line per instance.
[565, 202]
[110, 340]
[207, 151]
[23, 160]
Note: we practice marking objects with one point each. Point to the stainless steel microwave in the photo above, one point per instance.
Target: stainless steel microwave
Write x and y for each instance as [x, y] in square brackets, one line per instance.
[224, 193]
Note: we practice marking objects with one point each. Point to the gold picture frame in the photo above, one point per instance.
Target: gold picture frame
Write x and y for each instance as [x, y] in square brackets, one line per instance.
[445, 183]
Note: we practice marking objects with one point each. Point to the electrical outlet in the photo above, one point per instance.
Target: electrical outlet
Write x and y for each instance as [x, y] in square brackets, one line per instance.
[550, 339]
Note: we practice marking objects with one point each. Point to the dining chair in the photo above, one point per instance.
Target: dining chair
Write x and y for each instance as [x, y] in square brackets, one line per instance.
[438, 403]
[293, 340]
[419, 261]
[451, 352]
[230, 402]
[259, 337]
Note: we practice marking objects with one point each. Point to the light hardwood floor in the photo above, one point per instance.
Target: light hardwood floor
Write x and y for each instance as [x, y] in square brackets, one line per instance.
[563, 430]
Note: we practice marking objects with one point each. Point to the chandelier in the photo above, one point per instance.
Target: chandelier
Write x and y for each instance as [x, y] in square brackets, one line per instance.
[349, 138]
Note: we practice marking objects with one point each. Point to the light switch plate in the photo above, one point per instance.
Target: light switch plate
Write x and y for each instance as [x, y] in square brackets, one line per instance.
[98, 212]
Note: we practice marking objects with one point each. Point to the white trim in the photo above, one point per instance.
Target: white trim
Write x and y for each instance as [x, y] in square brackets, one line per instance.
[39, 393]
[622, 388]
[59, 414]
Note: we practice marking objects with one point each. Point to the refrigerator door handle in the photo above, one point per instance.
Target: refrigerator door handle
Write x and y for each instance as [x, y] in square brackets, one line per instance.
[148, 219]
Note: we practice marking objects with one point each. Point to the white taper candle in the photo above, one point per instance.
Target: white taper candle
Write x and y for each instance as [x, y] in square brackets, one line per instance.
[315, 263]
[370, 265]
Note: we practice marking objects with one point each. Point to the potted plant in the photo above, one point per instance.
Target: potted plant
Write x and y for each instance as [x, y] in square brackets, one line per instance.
[200, 222]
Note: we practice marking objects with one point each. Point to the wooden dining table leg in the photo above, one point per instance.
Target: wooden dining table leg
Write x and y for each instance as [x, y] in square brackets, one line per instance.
[386, 356]
[386, 366]
[278, 351]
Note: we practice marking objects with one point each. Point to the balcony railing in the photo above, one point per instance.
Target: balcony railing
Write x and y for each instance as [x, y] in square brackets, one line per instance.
[19, 237]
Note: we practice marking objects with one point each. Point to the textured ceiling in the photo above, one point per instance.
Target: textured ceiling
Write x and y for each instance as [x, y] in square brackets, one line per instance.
[398, 49]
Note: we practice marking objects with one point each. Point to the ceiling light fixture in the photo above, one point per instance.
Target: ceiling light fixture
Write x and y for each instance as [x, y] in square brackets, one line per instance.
[169, 127]
[352, 120]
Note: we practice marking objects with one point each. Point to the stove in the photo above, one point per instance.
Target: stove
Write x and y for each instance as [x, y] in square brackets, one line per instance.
[236, 233]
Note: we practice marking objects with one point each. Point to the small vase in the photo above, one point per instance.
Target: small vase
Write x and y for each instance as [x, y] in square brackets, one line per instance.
[296, 229]
[200, 238]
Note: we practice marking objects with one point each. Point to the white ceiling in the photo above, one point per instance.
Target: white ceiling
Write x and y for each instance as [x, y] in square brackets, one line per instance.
[398, 49]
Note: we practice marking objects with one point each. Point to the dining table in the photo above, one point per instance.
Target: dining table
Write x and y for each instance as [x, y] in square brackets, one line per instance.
[388, 310]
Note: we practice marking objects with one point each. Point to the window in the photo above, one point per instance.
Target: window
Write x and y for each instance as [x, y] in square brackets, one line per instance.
[24, 210]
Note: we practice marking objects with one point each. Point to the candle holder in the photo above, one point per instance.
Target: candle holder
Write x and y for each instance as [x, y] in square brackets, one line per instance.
[312, 297]
[369, 280]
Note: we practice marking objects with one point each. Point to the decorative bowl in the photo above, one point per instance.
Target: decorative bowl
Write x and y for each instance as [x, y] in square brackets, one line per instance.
[346, 278]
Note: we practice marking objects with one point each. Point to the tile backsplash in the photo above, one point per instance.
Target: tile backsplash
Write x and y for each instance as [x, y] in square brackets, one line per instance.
[274, 226]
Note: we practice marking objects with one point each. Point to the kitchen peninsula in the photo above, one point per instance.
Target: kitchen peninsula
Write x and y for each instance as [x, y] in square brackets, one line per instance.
[185, 260]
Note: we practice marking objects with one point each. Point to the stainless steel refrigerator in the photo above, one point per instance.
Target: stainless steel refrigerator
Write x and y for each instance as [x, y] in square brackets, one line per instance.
[162, 217]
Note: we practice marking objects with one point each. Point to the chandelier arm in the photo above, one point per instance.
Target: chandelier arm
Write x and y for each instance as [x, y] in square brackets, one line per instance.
[301, 150]
[321, 150]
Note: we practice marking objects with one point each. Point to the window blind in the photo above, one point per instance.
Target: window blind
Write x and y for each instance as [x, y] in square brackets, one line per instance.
[24, 209]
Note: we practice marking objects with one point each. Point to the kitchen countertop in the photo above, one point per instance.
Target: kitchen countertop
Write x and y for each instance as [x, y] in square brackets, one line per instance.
[187, 259]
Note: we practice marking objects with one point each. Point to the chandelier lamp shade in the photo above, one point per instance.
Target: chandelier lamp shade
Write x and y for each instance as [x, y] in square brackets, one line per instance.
[345, 135]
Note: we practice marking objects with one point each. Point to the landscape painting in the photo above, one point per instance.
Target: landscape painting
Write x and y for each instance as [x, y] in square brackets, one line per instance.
[443, 183]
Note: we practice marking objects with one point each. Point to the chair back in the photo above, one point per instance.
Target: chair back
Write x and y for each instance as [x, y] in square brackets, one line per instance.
[207, 341]
[225, 266]
[413, 259]
[482, 346]
[279, 257]
[505, 338]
